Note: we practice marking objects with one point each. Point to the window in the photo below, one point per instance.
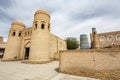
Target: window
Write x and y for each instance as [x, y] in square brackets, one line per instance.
[28, 32]
[35, 25]
[25, 34]
[19, 34]
[13, 34]
[94, 32]
[42, 26]
[48, 26]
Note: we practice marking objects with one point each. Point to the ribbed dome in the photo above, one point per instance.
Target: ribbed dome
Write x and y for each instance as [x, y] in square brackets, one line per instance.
[17, 22]
[42, 11]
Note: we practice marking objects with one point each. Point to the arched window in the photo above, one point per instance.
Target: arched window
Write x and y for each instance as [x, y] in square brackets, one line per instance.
[48, 26]
[19, 34]
[25, 34]
[35, 25]
[13, 34]
[42, 26]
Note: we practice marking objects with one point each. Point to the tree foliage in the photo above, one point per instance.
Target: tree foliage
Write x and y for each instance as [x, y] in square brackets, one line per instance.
[72, 43]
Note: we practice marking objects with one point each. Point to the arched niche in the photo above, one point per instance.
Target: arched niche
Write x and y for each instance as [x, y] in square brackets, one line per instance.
[102, 38]
[118, 37]
[110, 38]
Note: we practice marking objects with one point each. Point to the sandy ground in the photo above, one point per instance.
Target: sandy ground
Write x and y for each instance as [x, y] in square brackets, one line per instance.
[19, 71]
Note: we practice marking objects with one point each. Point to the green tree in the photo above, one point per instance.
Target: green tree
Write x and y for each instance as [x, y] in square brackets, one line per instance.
[72, 43]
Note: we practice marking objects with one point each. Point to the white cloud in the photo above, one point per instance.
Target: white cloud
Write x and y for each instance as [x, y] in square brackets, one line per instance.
[68, 17]
[4, 29]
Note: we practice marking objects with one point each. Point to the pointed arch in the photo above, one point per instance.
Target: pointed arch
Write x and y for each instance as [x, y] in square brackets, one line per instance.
[28, 44]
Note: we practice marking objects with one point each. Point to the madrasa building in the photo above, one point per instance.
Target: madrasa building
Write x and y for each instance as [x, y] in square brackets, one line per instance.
[105, 40]
[35, 44]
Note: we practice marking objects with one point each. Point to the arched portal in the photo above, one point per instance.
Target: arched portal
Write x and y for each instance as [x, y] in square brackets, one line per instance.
[27, 50]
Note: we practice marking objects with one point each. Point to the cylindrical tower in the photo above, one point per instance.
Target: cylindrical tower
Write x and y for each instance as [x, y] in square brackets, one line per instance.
[13, 46]
[84, 42]
[1, 39]
[95, 42]
[40, 40]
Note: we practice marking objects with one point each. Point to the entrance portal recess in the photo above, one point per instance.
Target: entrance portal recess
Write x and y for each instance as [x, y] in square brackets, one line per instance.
[27, 50]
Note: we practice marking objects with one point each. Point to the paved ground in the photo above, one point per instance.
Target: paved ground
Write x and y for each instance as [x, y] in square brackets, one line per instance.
[19, 71]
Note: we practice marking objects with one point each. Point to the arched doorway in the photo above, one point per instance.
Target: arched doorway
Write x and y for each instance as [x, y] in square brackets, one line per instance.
[27, 51]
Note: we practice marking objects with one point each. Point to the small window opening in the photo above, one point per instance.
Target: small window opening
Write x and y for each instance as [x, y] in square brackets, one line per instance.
[48, 26]
[94, 32]
[35, 25]
[42, 26]
[13, 34]
[19, 34]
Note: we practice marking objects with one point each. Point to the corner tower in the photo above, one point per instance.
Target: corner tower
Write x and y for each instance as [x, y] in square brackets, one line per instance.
[13, 46]
[40, 40]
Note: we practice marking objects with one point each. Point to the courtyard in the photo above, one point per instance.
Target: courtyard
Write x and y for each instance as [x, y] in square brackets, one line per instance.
[19, 71]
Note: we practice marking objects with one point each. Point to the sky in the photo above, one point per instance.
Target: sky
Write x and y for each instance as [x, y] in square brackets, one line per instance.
[69, 18]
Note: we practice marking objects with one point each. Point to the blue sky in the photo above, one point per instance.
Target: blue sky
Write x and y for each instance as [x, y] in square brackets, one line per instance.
[69, 18]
